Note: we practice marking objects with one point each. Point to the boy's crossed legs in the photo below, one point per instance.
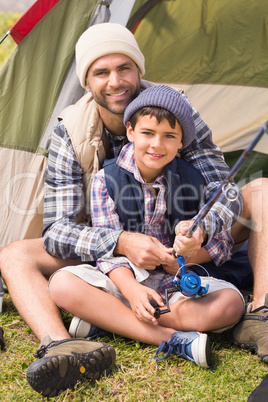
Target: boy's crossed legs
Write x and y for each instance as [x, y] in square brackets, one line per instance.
[213, 312]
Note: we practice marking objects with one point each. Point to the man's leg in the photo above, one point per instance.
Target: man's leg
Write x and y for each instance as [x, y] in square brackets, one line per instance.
[252, 331]
[253, 225]
[258, 240]
[25, 267]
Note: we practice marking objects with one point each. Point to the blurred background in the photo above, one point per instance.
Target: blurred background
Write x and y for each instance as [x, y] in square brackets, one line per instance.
[18, 6]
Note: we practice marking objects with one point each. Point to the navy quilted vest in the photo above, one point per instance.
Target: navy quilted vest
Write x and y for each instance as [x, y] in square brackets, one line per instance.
[185, 186]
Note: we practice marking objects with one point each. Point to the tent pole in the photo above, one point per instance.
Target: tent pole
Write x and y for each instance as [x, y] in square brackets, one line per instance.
[2, 40]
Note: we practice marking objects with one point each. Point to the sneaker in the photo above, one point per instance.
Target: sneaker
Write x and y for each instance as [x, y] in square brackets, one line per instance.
[63, 363]
[193, 346]
[82, 329]
[252, 330]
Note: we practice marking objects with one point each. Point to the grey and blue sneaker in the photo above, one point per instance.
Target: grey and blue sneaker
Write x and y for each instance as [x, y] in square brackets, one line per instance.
[82, 329]
[193, 346]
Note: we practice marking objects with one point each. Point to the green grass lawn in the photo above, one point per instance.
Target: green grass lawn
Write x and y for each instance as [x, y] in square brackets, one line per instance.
[137, 376]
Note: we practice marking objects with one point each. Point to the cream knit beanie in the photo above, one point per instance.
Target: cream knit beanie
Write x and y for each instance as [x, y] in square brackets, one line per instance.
[102, 39]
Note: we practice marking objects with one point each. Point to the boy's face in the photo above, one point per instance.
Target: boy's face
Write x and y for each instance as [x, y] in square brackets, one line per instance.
[155, 145]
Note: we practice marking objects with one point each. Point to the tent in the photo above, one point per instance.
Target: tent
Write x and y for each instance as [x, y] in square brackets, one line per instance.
[216, 51]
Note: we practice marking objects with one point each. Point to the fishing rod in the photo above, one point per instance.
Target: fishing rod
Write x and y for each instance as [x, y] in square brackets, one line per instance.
[230, 190]
[190, 283]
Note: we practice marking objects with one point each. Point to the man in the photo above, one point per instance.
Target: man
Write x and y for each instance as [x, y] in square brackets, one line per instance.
[110, 66]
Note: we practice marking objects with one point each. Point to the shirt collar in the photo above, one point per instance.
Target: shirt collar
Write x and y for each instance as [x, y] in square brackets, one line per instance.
[114, 137]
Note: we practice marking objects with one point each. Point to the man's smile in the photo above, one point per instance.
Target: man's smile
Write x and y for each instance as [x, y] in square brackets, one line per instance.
[117, 94]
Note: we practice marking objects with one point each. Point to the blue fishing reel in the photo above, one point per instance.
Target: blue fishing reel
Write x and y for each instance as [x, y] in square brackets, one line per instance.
[189, 285]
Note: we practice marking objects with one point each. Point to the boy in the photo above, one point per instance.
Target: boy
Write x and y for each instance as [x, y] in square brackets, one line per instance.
[142, 191]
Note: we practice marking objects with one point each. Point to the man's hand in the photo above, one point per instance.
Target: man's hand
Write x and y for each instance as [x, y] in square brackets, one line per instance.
[144, 251]
[188, 246]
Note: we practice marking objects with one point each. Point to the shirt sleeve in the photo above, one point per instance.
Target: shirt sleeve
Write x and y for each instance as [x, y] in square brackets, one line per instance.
[104, 214]
[208, 159]
[102, 207]
[63, 237]
[220, 247]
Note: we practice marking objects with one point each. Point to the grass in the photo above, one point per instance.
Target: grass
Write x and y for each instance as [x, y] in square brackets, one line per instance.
[137, 376]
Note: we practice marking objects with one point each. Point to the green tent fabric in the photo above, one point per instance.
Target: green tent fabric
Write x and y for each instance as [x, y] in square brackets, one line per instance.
[221, 42]
[217, 51]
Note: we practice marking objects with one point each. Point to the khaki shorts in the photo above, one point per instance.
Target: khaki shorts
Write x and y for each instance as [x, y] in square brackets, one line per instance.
[94, 277]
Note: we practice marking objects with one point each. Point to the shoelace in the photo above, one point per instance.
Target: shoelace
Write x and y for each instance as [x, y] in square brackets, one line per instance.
[253, 315]
[43, 349]
[179, 345]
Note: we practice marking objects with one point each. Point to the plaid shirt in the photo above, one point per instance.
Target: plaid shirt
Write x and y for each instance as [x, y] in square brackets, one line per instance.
[64, 238]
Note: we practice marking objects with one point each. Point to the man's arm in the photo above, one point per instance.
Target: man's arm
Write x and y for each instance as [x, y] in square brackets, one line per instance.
[206, 157]
[62, 236]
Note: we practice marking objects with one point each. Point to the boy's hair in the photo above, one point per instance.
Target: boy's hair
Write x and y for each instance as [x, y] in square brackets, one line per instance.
[159, 113]
[165, 97]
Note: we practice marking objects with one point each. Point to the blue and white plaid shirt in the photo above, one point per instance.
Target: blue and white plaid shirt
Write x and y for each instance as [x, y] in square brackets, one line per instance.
[64, 238]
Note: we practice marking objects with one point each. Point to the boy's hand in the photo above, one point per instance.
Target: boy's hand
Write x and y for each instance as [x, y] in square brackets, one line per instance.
[188, 246]
[173, 266]
[139, 299]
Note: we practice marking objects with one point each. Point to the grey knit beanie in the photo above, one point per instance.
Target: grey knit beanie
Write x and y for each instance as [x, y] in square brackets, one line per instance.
[102, 39]
[167, 98]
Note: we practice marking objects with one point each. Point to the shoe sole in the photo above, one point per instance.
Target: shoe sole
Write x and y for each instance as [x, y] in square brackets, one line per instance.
[251, 346]
[51, 375]
[201, 351]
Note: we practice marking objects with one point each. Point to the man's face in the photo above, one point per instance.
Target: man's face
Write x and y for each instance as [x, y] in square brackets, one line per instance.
[114, 81]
